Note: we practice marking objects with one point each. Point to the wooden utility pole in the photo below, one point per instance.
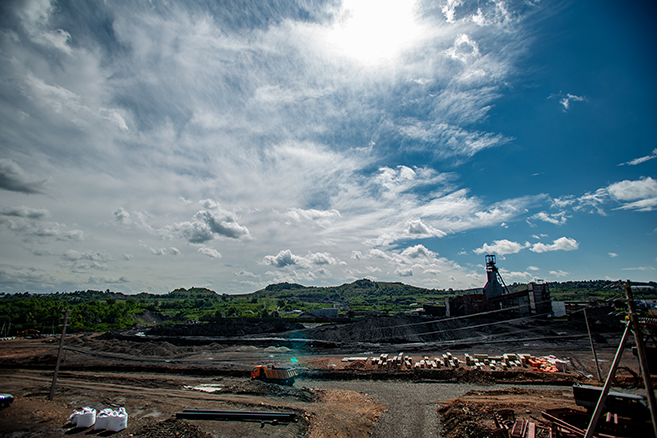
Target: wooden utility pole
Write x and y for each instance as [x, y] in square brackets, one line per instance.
[59, 355]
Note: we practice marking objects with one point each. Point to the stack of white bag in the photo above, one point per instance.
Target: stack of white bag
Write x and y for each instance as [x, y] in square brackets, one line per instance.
[84, 418]
[107, 419]
[111, 420]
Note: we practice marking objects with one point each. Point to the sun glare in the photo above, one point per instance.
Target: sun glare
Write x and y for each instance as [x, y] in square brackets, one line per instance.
[372, 31]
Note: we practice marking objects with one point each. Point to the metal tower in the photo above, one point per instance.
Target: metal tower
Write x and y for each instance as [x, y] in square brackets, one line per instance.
[495, 285]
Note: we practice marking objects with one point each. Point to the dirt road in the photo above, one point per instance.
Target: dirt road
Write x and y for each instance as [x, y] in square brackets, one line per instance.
[340, 408]
[155, 380]
[153, 398]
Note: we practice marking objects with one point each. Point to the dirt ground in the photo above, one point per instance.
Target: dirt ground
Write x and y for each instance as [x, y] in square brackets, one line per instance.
[472, 414]
[154, 380]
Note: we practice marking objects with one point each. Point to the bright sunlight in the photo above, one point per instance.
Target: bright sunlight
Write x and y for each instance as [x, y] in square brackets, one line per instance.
[373, 31]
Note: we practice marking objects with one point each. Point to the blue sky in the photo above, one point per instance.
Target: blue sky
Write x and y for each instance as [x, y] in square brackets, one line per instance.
[146, 146]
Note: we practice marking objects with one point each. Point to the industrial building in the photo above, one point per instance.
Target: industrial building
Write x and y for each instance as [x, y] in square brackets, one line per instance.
[532, 299]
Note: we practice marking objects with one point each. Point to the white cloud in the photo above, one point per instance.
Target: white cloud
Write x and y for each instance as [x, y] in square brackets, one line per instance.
[321, 217]
[561, 244]
[209, 223]
[633, 190]
[449, 9]
[455, 141]
[32, 228]
[501, 247]
[282, 259]
[432, 271]
[592, 201]
[107, 280]
[556, 219]
[416, 251]
[613, 254]
[417, 227]
[35, 16]
[289, 145]
[641, 159]
[72, 255]
[498, 16]
[285, 258]
[245, 274]
[465, 49]
[565, 101]
[13, 178]
[115, 117]
[640, 268]
[533, 268]
[404, 272]
[210, 252]
[560, 273]
[25, 212]
[641, 195]
[516, 276]
[137, 219]
[321, 258]
[159, 251]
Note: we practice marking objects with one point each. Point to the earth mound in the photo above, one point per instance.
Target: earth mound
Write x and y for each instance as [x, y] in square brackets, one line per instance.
[228, 327]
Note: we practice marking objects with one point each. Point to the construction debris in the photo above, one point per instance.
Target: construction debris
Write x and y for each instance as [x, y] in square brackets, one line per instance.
[478, 361]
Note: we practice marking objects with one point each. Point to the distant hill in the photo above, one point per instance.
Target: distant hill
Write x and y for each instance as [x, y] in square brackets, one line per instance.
[194, 292]
[367, 290]
[94, 310]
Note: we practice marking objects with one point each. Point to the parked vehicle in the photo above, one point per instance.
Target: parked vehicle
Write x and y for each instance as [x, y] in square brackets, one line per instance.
[282, 376]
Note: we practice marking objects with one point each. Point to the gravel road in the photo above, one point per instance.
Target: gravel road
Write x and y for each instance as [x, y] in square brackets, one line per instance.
[411, 406]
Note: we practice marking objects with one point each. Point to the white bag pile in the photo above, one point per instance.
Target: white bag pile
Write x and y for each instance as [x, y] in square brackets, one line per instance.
[118, 420]
[102, 419]
[107, 419]
[84, 418]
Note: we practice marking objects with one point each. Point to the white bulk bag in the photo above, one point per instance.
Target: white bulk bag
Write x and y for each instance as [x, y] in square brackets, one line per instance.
[87, 418]
[73, 418]
[102, 419]
[118, 420]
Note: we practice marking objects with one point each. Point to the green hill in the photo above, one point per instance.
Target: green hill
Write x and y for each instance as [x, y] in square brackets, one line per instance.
[99, 311]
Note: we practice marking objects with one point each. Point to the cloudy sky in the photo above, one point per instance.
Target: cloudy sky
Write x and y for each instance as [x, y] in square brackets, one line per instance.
[151, 145]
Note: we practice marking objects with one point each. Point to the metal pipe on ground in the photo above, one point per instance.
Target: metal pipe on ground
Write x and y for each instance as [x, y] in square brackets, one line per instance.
[200, 414]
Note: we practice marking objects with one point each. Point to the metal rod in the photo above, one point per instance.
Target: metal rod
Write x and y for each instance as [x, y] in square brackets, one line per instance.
[59, 356]
[215, 411]
[563, 424]
[595, 356]
[605, 390]
[241, 415]
[643, 360]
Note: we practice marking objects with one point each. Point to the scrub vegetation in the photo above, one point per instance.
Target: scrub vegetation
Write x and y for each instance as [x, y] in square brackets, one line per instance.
[91, 310]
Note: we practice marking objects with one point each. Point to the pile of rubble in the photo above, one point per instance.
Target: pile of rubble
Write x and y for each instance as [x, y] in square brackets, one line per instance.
[258, 387]
[482, 362]
[518, 413]
[172, 428]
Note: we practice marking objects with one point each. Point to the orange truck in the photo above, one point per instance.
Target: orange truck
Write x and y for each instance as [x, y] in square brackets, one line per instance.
[281, 376]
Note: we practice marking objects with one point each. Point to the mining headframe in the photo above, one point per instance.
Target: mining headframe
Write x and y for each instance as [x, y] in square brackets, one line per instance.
[534, 300]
